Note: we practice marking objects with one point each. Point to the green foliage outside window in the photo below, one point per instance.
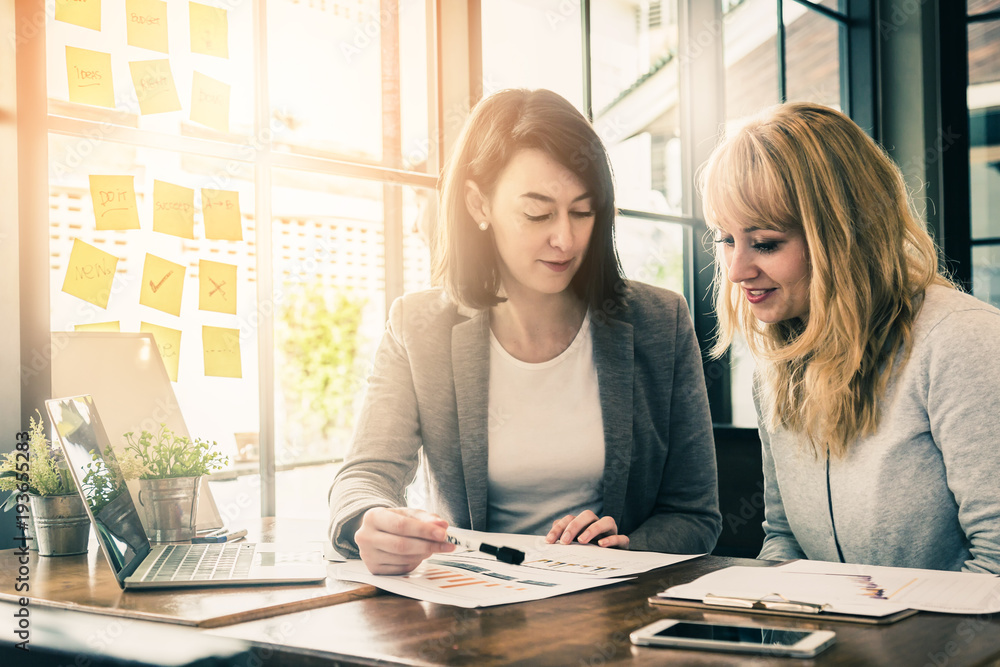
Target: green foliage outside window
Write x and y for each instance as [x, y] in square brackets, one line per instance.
[318, 339]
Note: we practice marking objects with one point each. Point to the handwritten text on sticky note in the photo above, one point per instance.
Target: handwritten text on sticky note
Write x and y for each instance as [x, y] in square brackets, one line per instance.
[154, 86]
[210, 102]
[222, 352]
[173, 209]
[114, 202]
[168, 341]
[84, 13]
[89, 76]
[221, 210]
[209, 30]
[90, 273]
[146, 22]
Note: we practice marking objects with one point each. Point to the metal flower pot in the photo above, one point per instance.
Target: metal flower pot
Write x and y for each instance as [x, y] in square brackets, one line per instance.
[62, 527]
[171, 507]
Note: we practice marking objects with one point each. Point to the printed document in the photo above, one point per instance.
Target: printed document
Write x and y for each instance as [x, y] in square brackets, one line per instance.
[942, 591]
[472, 579]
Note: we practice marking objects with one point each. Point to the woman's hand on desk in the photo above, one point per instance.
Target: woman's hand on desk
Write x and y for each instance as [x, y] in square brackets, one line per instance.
[396, 540]
[587, 528]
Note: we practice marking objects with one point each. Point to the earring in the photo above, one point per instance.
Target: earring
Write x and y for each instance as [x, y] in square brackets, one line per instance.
[483, 225]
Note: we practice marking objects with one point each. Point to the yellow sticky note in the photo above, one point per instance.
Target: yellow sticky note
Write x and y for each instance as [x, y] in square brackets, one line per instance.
[162, 284]
[114, 202]
[221, 210]
[217, 287]
[209, 30]
[85, 13]
[146, 22]
[169, 343]
[173, 209]
[222, 352]
[210, 102]
[115, 327]
[154, 86]
[89, 75]
[90, 273]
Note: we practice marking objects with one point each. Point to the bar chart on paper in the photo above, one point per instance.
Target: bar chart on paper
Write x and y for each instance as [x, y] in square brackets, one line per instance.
[470, 584]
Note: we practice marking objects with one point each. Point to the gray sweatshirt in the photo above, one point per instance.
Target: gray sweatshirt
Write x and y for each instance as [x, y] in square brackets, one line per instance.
[924, 490]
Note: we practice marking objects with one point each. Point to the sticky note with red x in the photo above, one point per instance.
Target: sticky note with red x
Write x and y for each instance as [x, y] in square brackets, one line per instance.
[217, 286]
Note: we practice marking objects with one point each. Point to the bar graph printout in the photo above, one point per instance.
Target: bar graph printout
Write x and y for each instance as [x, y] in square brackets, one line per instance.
[577, 559]
[864, 590]
[928, 590]
[471, 584]
[473, 579]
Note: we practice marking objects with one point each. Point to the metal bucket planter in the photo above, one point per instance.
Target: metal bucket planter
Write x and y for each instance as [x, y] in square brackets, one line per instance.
[62, 527]
[171, 507]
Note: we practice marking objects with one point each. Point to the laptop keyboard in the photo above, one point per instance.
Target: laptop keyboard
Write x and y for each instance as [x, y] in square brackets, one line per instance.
[202, 562]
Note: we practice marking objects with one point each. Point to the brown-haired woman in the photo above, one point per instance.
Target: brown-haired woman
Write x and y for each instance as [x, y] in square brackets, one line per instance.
[541, 392]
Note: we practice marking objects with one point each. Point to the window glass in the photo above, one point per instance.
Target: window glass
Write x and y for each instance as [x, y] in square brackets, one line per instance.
[635, 100]
[984, 128]
[193, 289]
[751, 58]
[986, 273]
[156, 83]
[419, 222]
[326, 62]
[652, 251]
[981, 6]
[812, 56]
[329, 285]
[533, 44]
[835, 5]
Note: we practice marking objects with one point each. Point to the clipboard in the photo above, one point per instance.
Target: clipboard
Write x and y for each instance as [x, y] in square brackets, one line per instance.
[816, 616]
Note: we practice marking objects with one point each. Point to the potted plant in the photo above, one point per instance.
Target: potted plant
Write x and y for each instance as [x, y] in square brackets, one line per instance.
[169, 468]
[36, 472]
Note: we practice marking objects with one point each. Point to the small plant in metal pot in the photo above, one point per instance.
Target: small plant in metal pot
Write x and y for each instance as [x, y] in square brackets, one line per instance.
[36, 476]
[169, 468]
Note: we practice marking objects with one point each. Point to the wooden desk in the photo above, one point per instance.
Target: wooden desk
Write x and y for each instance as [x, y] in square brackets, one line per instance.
[589, 628]
[86, 583]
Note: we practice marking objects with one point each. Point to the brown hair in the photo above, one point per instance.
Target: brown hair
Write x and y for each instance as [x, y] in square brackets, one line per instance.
[499, 127]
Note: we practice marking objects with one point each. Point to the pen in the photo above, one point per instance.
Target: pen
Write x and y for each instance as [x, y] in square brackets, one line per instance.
[502, 554]
[773, 602]
[216, 538]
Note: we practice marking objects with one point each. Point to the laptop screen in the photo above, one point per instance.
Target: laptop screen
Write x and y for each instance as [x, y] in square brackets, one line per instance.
[95, 468]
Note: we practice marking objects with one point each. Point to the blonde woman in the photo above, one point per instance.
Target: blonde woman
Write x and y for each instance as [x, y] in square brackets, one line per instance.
[878, 383]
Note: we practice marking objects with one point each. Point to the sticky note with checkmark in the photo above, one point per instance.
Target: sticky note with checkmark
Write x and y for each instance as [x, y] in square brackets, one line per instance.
[162, 285]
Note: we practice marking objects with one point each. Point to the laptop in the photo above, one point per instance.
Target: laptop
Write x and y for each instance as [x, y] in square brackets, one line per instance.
[124, 541]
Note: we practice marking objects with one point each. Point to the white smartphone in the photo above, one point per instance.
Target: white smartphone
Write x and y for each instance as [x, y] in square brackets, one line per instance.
[785, 642]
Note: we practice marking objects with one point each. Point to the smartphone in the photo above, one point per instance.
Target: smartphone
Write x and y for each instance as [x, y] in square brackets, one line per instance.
[785, 642]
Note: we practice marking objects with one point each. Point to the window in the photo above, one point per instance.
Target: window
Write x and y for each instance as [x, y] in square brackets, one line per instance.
[245, 181]
[984, 149]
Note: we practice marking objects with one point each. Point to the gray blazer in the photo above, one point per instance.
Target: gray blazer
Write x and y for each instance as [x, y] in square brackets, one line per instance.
[427, 403]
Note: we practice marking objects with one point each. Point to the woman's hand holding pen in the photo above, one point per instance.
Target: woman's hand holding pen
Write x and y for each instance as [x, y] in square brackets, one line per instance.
[397, 540]
[584, 528]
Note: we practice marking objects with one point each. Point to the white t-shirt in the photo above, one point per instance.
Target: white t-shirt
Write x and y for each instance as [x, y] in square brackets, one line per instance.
[546, 438]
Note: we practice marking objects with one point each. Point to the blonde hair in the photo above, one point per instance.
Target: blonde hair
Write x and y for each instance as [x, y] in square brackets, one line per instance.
[808, 168]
